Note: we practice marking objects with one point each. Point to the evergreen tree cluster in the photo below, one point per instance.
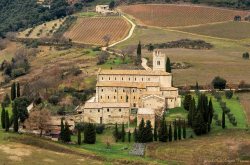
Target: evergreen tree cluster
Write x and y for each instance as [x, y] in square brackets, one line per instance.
[200, 116]
[144, 134]
[120, 135]
[65, 133]
[5, 119]
[89, 133]
[245, 55]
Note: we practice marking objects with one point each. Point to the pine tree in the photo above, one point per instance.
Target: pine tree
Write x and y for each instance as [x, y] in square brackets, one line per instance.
[170, 136]
[13, 91]
[168, 66]
[135, 135]
[129, 136]
[223, 121]
[62, 137]
[89, 134]
[179, 129]
[18, 90]
[175, 130]
[155, 132]
[123, 133]
[148, 132]
[3, 116]
[67, 133]
[116, 133]
[79, 137]
[7, 121]
[163, 131]
[184, 133]
[138, 55]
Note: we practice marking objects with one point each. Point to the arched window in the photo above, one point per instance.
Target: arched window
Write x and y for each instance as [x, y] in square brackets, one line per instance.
[158, 62]
[120, 110]
[108, 110]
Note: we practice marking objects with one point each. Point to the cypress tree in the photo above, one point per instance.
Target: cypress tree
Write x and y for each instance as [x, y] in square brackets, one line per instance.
[62, 130]
[129, 136]
[170, 133]
[187, 101]
[67, 133]
[116, 133]
[90, 134]
[3, 116]
[163, 131]
[168, 66]
[184, 130]
[179, 129]
[138, 55]
[13, 91]
[79, 137]
[198, 124]
[18, 90]
[155, 132]
[135, 135]
[197, 86]
[191, 113]
[148, 132]
[141, 131]
[15, 118]
[175, 130]
[223, 121]
[7, 121]
[123, 133]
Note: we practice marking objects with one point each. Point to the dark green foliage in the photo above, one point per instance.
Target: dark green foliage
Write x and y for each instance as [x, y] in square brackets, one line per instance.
[141, 131]
[229, 94]
[175, 130]
[223, 120]
[13, 91]
[163, 134]
[138, 55]
[135, 135]
[129, 136]
[112, 5]
[155, 132]
[179, 130]
[123, 133]
[62, 130]
[170, 134]
[245, 56]
[148, 131]
[197, 86]
[150, 47]
[21, 104]
[89, 134]
[191, 112]
[79, 137]
[7, 121]
[17, 90]
[187, 101]
[184, 133]
[100, 128]
[219, 83]
[67, 133]
[3, 116]
[116, 133]
[15, 118]
[168, 66]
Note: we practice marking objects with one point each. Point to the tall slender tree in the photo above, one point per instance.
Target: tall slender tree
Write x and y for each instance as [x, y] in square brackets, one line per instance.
[123, 133]
[3, 116]
[62, 130]
[170, 135]
[163, 130]
[155, 132]
[138, 55]
[175, 130]
[18, 90]
[7, 121]
[223, 120]
[79, 137]
[90, 133]
[135, 135]
[129, 136]
[148, 132]
[168, 66]
[67, 133]
[116, 133]
[141, 131]
[179, 129]
[13, 91]
[184, 133]
[15, 118]
[191, 113]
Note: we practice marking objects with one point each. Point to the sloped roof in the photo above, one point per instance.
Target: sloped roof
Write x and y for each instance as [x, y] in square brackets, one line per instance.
[133, 72]
[127, 84]
[91, 105]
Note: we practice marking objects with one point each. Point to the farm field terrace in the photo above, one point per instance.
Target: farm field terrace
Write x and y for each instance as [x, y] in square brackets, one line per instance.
[230, 30]
[92, 30]
[179, 15]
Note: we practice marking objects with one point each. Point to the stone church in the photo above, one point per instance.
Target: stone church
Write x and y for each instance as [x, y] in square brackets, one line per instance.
[122, 95]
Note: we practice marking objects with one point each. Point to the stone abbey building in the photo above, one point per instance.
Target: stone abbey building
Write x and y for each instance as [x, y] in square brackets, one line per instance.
[122, 95]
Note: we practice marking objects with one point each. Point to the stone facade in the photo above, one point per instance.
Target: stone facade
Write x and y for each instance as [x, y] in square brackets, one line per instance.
[117, 91]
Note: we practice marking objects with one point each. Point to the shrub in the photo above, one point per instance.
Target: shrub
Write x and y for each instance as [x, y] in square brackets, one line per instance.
[100, 128]
[17, 72]
[229, 94]
[219, 83]
[54, 99]
[245, 56]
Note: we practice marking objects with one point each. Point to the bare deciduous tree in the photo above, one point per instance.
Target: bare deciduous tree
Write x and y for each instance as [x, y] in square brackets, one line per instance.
[38, 119]
[106, 39]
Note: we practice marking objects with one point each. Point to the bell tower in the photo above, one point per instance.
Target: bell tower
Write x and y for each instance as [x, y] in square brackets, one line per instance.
[159, 61]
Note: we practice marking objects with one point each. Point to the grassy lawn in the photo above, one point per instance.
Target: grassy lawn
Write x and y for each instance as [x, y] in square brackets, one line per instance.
[88, 14]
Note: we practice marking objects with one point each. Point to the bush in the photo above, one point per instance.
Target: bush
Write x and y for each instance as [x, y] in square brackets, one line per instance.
[100, 128]
[229, 94]
[54, 99]
[245, 56]
[219, 83]
[17, 72]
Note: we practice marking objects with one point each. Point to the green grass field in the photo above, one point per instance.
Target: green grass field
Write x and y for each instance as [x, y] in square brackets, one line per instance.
[230, 30]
